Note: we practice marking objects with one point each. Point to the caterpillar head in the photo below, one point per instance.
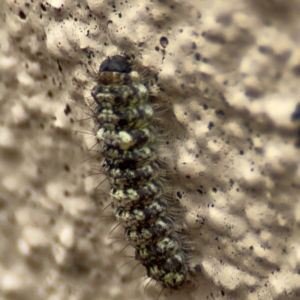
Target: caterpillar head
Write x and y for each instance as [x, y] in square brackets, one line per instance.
[116, 63]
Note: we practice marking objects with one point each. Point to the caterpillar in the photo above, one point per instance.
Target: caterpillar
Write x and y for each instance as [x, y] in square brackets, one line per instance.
[124, 117]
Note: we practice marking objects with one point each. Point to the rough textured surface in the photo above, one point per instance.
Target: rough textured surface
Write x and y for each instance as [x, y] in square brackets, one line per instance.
[230, 72]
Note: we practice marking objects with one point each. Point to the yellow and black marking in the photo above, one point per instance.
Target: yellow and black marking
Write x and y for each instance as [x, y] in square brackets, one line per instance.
[146, 235]
[143, 214]
[132, 159]
[127, 134]
[127, 140]
[120, 96]
[134, 178]
[146, 193]
[166, 247]
[130, 118]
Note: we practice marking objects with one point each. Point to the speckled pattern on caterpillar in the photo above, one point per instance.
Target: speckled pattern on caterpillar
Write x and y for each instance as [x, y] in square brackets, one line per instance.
[131, 163]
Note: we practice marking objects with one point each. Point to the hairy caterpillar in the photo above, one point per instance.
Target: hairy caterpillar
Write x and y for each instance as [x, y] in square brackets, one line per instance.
[131, 163]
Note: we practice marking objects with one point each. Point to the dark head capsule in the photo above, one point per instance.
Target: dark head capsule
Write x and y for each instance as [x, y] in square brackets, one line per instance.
[116, 63]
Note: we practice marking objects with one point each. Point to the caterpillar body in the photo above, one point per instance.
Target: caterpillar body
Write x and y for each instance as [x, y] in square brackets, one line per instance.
[131, 163]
